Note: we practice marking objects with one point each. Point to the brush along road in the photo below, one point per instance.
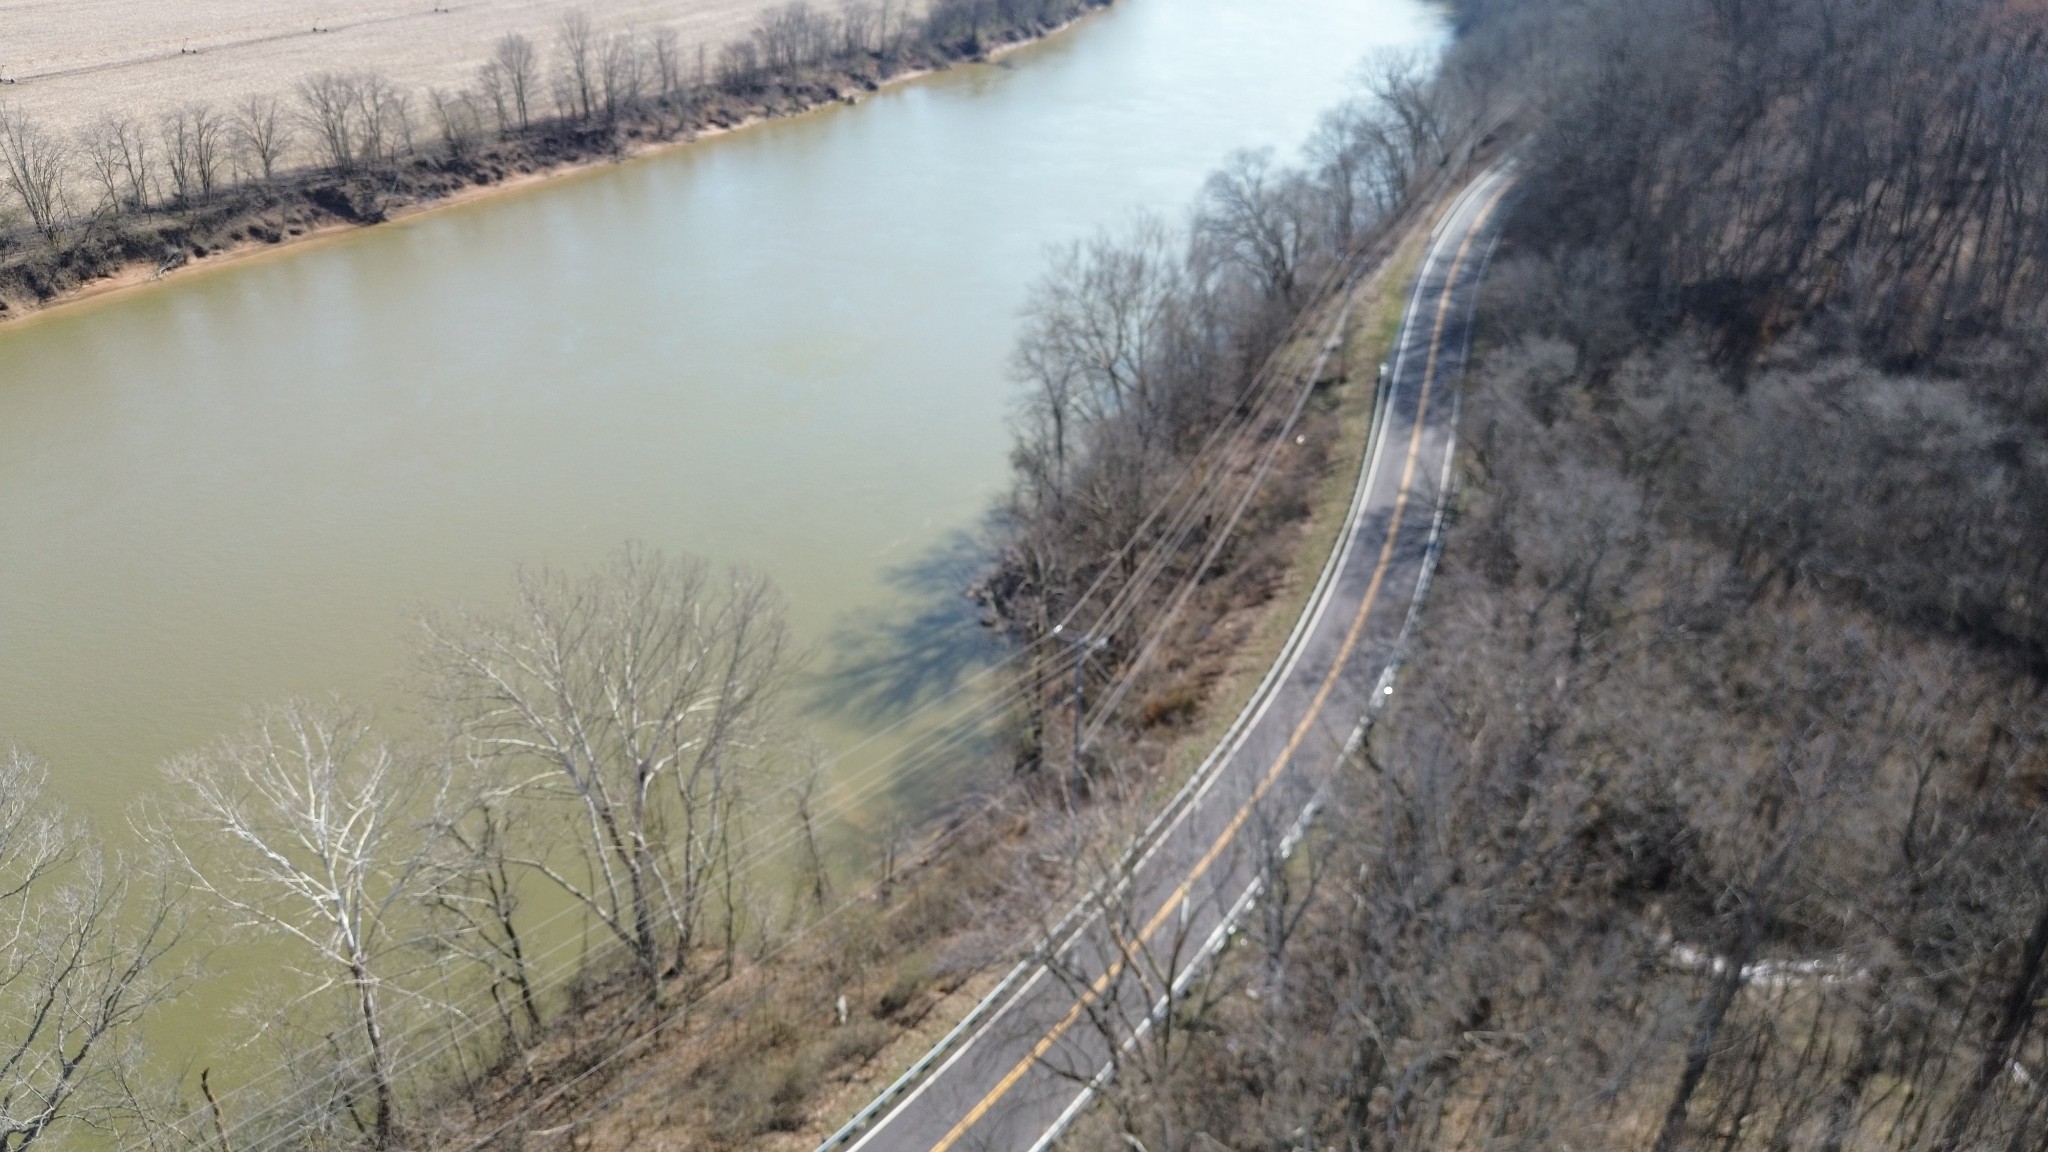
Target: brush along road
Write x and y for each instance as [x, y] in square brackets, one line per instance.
[1040, 1047]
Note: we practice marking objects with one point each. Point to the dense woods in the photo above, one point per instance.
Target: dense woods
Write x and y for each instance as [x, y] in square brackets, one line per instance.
[1710, 810]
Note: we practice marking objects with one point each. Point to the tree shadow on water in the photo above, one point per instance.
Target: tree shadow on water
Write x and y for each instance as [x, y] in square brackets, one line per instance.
[882, 667]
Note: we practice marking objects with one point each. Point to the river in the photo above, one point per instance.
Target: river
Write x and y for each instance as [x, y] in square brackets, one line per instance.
[784, 348]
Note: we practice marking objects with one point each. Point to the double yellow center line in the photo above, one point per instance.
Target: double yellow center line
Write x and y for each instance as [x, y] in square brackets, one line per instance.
[1301, 730]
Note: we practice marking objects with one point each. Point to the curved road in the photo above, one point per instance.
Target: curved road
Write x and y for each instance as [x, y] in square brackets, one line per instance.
[1034, 1052]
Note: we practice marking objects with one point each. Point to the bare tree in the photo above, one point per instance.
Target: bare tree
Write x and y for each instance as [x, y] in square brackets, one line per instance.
[193, 143]
[477, 895]
[1261, 220]
[1102, 316]
[308, 829]
[174, 133]
[492, 89]
[517, 65]
[814, 873]
[639, 698]
[739, 65]
[1359, 167]
[577, 49]
[1402, 84]
[106, 159]
[402, 113]
[622, 75]
[36, 165]
[263, 132]
[383, 119]
[457, 119]
[667, 50]
[890, 17]
[81, 952]
[328, 108]
[1145, 989]
[793, 37]
[127, 136]
[857, 29]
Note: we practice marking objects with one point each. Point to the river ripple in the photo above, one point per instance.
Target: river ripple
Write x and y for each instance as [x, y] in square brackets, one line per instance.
[784, 349]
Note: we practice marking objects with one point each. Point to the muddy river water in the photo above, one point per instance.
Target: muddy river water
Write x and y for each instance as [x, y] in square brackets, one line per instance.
[784, 348]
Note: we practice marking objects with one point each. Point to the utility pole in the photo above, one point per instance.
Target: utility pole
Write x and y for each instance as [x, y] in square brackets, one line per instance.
[1082, 643]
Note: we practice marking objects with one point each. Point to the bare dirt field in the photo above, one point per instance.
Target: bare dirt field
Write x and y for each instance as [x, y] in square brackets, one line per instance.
[67, 62]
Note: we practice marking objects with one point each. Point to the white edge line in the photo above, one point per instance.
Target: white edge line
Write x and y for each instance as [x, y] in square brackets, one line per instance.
[1224, 929]
[1190, 795]
[1170, 815]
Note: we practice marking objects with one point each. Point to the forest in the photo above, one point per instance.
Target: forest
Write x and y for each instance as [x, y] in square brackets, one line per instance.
[1708, 813]
[1709, 810]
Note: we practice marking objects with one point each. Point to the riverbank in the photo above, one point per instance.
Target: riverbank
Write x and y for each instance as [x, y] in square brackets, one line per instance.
[106, 255]
[784, 350]
[773, 1057]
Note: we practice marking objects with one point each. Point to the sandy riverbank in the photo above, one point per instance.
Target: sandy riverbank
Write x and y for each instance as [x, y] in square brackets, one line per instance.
[140, 275]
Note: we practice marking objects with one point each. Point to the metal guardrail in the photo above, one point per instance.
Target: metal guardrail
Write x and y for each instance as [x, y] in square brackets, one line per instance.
[1383, 689]
[1062, 933]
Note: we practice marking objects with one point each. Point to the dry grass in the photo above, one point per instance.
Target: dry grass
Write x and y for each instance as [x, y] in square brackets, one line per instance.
[1199, 707]
[764, 1059]
[67, 62]
[762, 1063]
[1214, 684]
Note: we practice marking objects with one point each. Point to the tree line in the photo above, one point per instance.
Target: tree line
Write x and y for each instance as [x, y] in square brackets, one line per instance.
[350, 144]
[611, 743]
[1138, 347]
[1709, 812]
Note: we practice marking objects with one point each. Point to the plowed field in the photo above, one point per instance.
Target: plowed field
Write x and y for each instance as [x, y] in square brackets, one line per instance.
[67, 62]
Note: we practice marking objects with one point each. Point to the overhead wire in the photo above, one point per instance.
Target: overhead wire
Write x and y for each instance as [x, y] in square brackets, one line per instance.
[947, 738]
[612, 1097]
[1349, 277]
[1194, 492]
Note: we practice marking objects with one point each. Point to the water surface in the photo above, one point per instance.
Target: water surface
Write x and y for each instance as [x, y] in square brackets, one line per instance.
[784, 349]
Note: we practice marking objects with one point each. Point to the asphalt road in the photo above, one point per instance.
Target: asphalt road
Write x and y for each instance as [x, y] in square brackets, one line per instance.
[1013, 1081]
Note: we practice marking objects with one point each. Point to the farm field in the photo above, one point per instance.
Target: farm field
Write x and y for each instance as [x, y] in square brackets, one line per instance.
[66, 62]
